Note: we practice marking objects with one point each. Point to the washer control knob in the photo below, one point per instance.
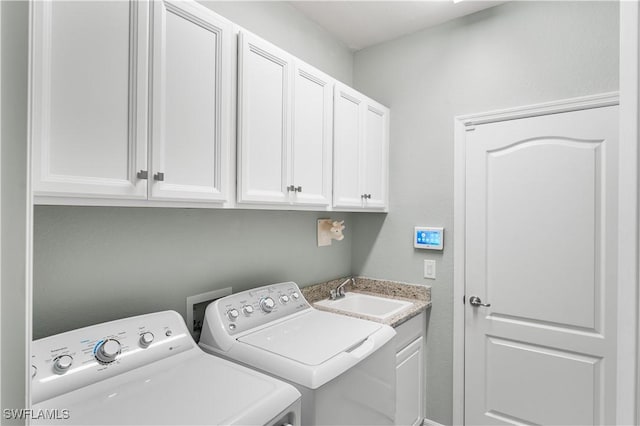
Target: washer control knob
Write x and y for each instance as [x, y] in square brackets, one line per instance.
[284, 299]
[295, 295]
[247, 309]
[267, 304]
[108, 351]
[146, 339]
[62, 363]
[233, 314]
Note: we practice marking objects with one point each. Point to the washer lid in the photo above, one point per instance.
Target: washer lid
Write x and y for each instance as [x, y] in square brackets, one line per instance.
[186, 389]
[313, 337]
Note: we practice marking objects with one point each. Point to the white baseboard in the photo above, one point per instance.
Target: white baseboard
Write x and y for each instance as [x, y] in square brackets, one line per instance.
[428, 422]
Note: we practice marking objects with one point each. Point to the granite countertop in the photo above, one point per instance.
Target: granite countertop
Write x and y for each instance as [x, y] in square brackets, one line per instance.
[418, 295]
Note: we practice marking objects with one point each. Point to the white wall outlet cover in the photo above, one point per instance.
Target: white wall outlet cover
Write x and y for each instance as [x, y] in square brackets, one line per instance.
[430, 269]
[329, 230]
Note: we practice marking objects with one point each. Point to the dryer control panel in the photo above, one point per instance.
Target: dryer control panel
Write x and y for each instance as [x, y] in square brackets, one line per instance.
[74, 359]
[252, 308]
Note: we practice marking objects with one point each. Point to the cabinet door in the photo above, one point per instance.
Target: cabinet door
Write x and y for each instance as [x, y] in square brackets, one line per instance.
[311, 146]
[410, 384]
[375, 149]
[191, 74]
[264, 100]
[88, 98]
[347, 134]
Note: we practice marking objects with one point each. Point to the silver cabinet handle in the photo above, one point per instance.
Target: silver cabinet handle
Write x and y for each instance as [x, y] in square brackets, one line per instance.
[299, 189]
[142, 174]
[291, 188]
[159, 177]
[476, 301]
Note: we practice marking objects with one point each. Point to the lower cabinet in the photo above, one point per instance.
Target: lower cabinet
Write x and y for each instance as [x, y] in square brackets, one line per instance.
[410, 372]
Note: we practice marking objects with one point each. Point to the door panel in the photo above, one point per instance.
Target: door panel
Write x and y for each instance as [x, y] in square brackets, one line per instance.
[264, 135]
[534, 384]
[409, 384]
[191, 76]
[312, 136]
[88, 98]
[529, 204]
[541, 219]
[346, 155]
[375, 156]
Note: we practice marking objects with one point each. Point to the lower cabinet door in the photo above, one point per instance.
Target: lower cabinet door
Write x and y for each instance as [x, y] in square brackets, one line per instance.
[410, 384]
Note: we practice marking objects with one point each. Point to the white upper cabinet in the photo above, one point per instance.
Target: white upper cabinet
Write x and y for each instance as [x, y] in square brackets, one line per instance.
[134, 103]
[311, 147]
[264, 99]
[285, 127]
[361, 151]
[88, 98]
[191, 102]
[109, 123]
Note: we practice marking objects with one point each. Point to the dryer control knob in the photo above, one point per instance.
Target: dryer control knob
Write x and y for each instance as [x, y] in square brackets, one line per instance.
[62, 363]
[233, 314]
[295, 295]
[146, 339]
[284, 299]
[267, 304]
[108, 351]
[247, 309]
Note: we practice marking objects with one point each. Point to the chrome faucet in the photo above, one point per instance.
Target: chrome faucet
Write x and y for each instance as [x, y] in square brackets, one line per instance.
[339, 291]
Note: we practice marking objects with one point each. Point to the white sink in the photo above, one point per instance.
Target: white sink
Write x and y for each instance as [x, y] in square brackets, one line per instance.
[365, 304]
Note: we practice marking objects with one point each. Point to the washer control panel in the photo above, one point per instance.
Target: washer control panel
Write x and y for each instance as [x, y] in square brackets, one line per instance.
[70, 360]
[252, 308]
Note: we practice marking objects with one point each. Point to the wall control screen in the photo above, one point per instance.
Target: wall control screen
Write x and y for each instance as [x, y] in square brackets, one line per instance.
[428, 238]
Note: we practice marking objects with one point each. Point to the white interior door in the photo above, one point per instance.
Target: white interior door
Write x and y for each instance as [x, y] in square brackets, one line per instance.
[541, 222]
[191, 102]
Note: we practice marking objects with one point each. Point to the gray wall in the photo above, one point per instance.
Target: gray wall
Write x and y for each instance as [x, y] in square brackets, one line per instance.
[515, 54]
[283, 25]
[13, 203]
[94, 264]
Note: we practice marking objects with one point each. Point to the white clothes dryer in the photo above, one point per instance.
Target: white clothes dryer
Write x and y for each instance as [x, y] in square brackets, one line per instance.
[147, 370]
[344, 367]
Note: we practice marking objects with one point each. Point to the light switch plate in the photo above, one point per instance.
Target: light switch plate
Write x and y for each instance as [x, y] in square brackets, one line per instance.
[430, 269]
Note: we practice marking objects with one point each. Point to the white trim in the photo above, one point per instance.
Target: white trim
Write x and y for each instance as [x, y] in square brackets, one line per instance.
[0, 196]
[429, 422]
[29, 219]
[554, 107]
[461, 125]
[458, 269]
[628, 379]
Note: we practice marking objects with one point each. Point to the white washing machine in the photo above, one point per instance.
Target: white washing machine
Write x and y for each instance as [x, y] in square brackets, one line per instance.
[344, 367]
[148, 370]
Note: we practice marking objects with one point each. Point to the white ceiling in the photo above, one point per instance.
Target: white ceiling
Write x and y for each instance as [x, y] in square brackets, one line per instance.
[359, 24]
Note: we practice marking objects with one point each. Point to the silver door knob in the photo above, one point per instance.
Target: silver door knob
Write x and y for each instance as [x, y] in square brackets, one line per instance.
[476, 301]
